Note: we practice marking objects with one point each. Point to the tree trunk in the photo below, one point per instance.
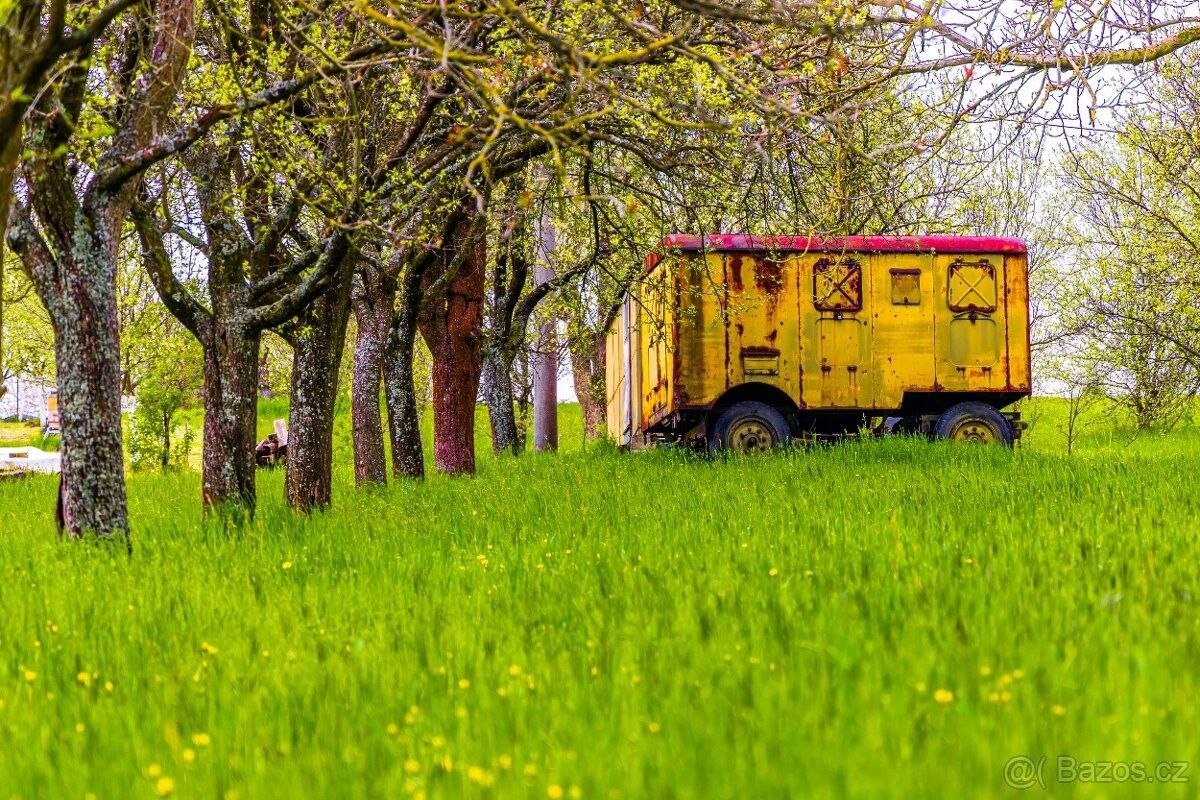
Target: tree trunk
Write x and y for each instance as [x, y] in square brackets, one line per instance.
[373, 312]
[400, 392]
[230, 418]
[498, 393]
[264, 377]
[452, 325]
[545, 357]
[166, 440]
[587, 368]
[317, 357]
[88, 354]
[10, 152]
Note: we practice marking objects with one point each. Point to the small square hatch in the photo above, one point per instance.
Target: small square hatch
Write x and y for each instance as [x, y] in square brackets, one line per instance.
[972, 286]
[837, 285]
[906, 287]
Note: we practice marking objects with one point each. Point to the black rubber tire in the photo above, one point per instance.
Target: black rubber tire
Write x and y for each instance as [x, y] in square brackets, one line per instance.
[976, 414]
[902, 425]
[743, 426]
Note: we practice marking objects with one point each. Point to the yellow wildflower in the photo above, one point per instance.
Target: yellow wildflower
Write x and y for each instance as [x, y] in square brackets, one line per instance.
[943, 696]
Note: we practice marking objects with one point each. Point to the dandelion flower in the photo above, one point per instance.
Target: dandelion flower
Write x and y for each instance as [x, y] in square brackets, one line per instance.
[201, 739]
[412, 766]
[554, 791]
[514, 670]
[30, 676]
[154, 770]
[164, 786]
[208, 649]
[943, 697]
[772, 572]
[464, 683]
[189, 755]
[85, 680]
[1057, 710]
[286, 565]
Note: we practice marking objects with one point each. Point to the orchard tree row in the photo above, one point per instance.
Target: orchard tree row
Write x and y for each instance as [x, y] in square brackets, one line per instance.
[483, 175]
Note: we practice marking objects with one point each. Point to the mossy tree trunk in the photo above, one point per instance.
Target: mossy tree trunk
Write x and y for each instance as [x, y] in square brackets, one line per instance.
[373, 301]
[70, 252]
[400, 389]
[230, 418]
[318, 337]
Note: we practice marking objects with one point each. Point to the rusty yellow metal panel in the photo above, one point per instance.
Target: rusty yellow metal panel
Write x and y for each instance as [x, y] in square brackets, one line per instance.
[659, 301]
[833, 306]
[902, 307]
[1019, 376]
[701, 331]
[970, 328]
[762, 336]
[614, 379]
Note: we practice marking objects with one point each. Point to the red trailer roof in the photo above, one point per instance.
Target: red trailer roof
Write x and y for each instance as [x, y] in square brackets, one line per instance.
[825, 244]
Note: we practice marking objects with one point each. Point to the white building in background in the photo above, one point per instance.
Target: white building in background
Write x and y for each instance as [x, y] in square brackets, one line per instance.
[27, 397]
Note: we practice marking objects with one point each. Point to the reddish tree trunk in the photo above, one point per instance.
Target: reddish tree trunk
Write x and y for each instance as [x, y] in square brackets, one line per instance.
[452, 325]
[373, 305]
[230, 418]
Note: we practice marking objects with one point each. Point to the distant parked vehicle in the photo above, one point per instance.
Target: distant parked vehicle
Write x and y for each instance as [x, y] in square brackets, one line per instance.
[744, 342]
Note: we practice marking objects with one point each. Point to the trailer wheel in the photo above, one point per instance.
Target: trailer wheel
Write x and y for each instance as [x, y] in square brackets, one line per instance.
[974, 422]
[748, 427]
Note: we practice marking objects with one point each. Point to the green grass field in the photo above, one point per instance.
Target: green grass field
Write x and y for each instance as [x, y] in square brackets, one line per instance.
[878, 618]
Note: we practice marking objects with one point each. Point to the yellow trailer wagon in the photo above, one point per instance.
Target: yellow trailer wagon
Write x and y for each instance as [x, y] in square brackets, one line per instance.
[744, 342]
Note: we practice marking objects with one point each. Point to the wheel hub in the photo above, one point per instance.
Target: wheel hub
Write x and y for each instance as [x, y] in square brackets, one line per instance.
[975, 430]
[751, 436]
